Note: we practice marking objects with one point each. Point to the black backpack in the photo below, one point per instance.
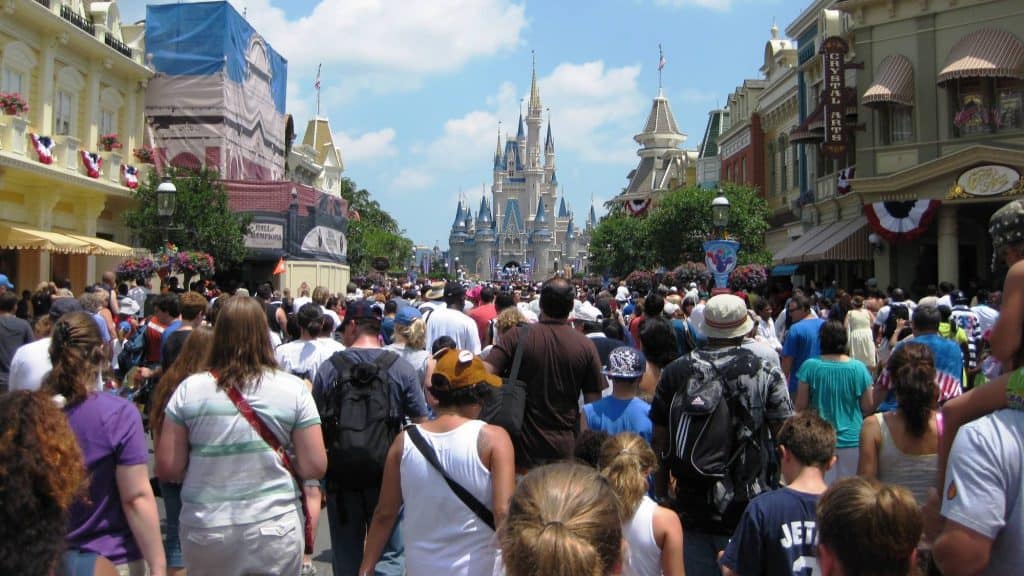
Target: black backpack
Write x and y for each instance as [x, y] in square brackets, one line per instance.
[718, 439]
[359, 422]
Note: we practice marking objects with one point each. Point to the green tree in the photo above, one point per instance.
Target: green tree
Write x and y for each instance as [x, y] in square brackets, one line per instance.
[619, 245]
[202, 220]
[374, 234]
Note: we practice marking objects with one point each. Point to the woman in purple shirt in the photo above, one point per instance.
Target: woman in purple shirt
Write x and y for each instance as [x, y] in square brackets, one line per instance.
[119, 518]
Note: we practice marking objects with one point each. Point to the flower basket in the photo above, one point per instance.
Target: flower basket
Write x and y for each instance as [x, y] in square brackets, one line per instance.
[136, 269]
[13, 103]
[143, 155]
[688, 272]
[640, 281]
[749, 278]
[191, 263]
[109, 142]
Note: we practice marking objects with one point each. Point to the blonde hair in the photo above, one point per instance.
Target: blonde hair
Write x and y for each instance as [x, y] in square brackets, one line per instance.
[509, 318]
[871, 528]
[626, 460]
[415, 334]
[563, 521]
[76, 349]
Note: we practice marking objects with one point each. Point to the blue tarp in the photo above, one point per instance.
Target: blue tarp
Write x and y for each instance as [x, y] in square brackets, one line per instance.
[785, 270]
[201, 39]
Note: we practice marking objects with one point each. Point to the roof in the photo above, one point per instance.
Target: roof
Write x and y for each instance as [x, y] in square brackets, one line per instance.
[541, 218]
[570, 229]
[709, 145]
[660, 120]
[549, 142]
[563, 212]
[534, 91]
[460, 219]
[483, 215]
[592, 218]
[513, 153]
[985, 53]
[651, 175]
[893, 82]
[513, 218]
[521, 133]
[318, 137]
[554, 177]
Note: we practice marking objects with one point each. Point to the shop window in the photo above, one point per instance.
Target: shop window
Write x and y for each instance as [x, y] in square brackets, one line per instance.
[896, 123]
[984, 105]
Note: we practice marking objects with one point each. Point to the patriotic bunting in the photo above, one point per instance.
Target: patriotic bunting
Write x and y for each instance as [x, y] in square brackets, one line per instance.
[130, 175]
[843, 181]
[637, 207]
[901, 221]
[44, 148]
[93, 163]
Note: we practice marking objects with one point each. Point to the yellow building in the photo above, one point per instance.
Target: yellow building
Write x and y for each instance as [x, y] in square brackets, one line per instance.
[83, 75]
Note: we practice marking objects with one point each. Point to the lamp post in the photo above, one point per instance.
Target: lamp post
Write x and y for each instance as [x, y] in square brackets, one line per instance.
[166, 200]
[720, 252]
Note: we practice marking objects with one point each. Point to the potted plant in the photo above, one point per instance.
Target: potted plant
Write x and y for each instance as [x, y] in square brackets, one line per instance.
[13, 103]
[137, 269]
[143, 155]
[108, 142]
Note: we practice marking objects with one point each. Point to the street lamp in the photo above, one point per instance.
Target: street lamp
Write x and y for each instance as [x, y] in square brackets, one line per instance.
[720, 252]
[720, 211]
[166, 199]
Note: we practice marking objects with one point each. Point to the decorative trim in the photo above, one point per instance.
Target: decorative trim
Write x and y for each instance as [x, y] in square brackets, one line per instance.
[901, 221]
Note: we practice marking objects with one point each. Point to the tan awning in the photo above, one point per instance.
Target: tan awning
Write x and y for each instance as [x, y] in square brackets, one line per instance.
[985, 53]
[16, 237]
[793, 253]
[104, 247]
[810, 128]
[846, 240]
[894, 83]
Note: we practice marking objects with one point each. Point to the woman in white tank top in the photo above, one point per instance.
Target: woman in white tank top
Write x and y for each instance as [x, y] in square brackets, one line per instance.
[442, 535]
[654, 534]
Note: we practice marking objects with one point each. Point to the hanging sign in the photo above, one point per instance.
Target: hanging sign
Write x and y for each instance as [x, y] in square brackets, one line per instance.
[833, 51]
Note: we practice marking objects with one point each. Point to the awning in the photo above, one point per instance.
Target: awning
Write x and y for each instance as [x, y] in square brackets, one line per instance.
[805, 131]
[985, 53]
[785, 270]
[845, 240]
[13, 237]
[894, 83]
[103, 247]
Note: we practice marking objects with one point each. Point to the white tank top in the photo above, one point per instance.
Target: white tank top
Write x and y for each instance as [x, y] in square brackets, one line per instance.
[441, 534]
[644, 555]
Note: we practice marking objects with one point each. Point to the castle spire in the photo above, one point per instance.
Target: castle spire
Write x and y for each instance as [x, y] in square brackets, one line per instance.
[549, 142]
[534, 92]
[522, 132]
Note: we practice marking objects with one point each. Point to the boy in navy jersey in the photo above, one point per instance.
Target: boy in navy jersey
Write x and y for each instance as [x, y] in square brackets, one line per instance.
[777, 533]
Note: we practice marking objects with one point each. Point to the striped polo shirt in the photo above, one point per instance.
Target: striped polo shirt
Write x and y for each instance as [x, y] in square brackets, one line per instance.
[233, 476]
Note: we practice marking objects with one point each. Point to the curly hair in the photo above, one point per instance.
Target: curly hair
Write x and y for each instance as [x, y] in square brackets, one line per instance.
[42, 473]
[76, 349]
[190, 360]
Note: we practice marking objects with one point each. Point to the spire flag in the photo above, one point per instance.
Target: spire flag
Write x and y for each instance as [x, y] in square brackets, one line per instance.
[661, 64]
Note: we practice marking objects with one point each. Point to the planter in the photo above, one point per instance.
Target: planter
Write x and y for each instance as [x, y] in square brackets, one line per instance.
[12, 111]
[66, 151]
[111, 166]
[14, 136]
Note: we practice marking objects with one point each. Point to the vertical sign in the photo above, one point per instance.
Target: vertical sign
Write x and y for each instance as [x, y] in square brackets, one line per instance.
[834, 51]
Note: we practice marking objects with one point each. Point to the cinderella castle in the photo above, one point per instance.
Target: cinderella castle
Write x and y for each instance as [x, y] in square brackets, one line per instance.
[524, 235]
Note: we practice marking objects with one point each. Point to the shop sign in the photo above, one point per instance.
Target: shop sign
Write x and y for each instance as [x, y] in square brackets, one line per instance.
[325, 240]
[989, 180]
[834, 51]
[263, 235]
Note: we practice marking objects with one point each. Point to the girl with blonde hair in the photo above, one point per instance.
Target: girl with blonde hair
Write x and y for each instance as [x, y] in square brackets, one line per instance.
[563, 521]
[654, 533]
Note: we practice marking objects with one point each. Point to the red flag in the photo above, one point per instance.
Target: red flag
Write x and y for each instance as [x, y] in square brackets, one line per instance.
[279, 269]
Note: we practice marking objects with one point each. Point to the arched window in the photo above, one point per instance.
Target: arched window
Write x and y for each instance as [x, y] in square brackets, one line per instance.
[65, 101]
[18, 62]
[110, 111]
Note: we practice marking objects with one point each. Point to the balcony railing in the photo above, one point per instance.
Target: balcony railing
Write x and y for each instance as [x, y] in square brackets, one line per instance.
[44, 2]
[116, 44]
[67, 13]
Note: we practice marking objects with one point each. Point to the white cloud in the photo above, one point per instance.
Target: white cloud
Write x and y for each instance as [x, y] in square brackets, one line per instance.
[367, 147]
[412, 179]
[697, 96]
[720, 5]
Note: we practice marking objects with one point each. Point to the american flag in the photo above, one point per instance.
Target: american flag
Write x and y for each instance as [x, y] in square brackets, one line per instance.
[661, 59]
[316, 84]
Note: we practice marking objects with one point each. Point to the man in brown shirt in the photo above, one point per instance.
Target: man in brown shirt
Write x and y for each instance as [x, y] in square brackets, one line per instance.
[558, 364]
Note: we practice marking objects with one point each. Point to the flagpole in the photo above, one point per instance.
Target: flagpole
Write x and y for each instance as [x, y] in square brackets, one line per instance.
[316, 119]
[661, 64]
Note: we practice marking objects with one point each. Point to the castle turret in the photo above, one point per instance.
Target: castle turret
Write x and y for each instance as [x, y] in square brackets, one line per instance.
[485, 239]
[541, 239]
[457, 238]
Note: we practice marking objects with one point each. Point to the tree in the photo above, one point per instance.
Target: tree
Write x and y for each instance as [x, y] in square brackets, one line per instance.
[619, 245]
[202, 220]
[374, 233]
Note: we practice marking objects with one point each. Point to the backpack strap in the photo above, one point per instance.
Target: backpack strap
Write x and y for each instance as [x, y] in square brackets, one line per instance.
[383, 364]
[424, 447]
[517, 358]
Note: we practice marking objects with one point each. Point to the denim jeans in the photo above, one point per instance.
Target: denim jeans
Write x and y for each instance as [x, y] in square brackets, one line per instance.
[349, 515]
[700, 553]
[171, 494]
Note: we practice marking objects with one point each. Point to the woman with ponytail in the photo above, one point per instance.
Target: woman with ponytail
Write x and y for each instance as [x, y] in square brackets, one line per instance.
[901, 447]
[118, 519]
[563, 521]
[654, 533]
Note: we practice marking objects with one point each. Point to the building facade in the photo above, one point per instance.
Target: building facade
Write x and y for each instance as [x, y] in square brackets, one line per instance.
[709, 162]
[83, 76]
[741, 145]
[526, 228]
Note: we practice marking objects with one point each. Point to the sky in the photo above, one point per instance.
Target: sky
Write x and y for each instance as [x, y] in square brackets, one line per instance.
[415, 89]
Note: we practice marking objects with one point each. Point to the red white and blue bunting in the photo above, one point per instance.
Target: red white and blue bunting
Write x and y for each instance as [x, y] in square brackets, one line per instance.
[843, 181]
[637, 207]
[44, 148]
[130, 175]
[93, 163]
[901, 221]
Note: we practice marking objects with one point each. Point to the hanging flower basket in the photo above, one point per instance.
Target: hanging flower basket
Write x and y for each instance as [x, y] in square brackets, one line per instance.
[688, 272]
[640, 281]
[109, 142]
[136, 269]
[189, 263]
[143, 155]
[13, 103]
[749, 278]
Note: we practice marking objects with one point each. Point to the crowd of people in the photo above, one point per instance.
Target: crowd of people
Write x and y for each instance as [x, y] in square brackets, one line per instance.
[550, 428]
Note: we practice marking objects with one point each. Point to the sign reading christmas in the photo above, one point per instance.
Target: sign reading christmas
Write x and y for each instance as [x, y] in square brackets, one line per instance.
[833, 51]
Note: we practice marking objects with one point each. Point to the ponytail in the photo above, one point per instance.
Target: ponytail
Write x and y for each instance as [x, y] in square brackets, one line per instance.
[76, 351]
[626, 460]
[912, 369]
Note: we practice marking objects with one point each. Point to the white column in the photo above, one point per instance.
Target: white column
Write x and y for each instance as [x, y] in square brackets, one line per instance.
[44, 108]
[948, 245]
[92, 102]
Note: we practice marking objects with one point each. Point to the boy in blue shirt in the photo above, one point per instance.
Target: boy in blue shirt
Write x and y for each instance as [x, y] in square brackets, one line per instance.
[777, 533]
[622, 411]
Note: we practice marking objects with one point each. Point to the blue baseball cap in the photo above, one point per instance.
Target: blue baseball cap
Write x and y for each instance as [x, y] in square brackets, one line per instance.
[406, 315]
[5, 282]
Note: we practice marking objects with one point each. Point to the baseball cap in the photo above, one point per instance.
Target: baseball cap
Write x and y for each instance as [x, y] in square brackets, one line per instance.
[128, 306]
[6, 282]
[456, 369]
[587, 312]
[360, 310]
[406, 315]
[62, 306]
[626, 363]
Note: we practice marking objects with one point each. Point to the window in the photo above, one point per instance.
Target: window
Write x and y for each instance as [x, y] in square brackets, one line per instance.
[12, 81]
[17, 64]
[63, 115]
[896, 123]
[984, 105]
[110, 104]
[772, 169]
[784, 151]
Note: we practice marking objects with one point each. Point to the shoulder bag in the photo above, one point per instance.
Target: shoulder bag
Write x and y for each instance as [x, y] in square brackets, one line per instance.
[506, 406]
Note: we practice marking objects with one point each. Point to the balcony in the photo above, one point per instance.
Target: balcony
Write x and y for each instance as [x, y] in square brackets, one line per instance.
[77, 19]
[116, 44]
[44, 2]
[825, 187]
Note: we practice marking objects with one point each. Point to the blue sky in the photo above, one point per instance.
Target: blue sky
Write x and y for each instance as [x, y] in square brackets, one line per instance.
[414, 89]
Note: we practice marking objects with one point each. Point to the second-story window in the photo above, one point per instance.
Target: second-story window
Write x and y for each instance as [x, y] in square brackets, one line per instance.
[63, 113]
[896, 123]
[13, 81]
[108, 122]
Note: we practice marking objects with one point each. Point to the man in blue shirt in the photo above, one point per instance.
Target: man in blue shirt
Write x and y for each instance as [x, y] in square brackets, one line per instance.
[801, 339]
[622, 411]
[949, 360]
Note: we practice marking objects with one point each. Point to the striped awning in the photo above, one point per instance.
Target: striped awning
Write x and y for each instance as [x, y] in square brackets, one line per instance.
[985, 53]
[845, 240]
[894, 83]
[103, 247]
[812, 128]
[17, 237]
